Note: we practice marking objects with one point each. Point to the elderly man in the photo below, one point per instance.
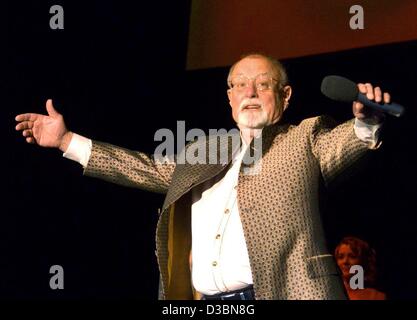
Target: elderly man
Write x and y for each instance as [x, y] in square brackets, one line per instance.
[253, 236]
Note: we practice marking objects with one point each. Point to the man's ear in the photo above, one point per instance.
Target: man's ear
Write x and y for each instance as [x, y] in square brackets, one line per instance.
[286, 92]
[229, 95]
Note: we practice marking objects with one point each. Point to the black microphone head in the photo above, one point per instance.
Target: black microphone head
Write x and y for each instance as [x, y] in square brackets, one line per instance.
[339, 88]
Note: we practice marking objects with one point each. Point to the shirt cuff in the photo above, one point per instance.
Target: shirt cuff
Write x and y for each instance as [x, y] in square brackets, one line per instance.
[368, 133]
[79, 149]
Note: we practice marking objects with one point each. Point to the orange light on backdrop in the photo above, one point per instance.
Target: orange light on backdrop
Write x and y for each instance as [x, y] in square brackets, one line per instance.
[220, 31]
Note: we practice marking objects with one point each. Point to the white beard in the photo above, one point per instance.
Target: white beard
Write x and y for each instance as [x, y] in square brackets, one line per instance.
[256, 119]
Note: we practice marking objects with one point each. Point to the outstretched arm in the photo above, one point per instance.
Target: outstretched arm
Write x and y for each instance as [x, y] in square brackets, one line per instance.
[100, 160]
[129, 168]
[336, 147]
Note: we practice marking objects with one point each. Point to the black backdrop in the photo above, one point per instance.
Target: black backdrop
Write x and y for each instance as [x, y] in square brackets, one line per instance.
[117, 73]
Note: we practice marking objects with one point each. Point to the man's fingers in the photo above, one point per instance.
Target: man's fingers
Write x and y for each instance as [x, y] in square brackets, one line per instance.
[50, 108]
[358, 107]
[356, 104]
[358, 110]
[27, 117]
[362, 88]
[30, 140]
[27, 133]
[369, 91]
[378, 94]
[24, 125]
[374, 93]
[364, 112]
[387, 97]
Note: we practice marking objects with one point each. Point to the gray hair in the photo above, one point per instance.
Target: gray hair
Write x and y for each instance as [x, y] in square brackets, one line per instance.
[276, 64]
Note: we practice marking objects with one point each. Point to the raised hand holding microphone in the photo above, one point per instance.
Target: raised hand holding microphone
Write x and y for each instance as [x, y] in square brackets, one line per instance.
[365, 113]
[366, 100]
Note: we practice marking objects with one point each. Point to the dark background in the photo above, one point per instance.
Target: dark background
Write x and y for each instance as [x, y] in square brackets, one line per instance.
[117, 74]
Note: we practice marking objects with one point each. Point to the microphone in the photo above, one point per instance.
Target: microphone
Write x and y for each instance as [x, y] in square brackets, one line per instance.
[342, 89]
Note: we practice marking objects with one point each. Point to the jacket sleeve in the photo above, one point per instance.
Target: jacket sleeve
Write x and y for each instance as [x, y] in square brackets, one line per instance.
[129, 168]
[336, 147]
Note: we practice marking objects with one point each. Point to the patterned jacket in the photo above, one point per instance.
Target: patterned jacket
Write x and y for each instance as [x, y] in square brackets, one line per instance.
[278, 206]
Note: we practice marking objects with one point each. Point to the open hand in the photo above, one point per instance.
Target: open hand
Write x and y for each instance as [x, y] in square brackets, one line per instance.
[45, 130]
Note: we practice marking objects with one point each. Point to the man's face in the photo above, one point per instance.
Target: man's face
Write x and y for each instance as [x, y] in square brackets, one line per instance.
[253, 107]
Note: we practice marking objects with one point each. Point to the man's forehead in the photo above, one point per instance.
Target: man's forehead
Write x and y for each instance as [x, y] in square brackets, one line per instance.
[253, 66]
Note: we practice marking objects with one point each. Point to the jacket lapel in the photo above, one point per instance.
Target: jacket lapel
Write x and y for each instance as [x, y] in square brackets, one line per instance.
[186, 176]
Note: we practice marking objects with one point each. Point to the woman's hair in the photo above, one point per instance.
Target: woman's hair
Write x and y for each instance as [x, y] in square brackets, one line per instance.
[366, 256]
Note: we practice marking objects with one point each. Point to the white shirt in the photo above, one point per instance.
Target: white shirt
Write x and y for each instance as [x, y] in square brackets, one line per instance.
[220, 257]
[220, 260]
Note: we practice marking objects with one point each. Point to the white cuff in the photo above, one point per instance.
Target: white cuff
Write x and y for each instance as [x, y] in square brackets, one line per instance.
[367, 132]
[79, 149]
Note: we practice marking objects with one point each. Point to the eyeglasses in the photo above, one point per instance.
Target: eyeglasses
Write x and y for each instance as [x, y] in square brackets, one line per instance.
[263, 82]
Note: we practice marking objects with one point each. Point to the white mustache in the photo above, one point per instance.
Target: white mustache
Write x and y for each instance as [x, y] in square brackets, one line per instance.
[250, 102]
